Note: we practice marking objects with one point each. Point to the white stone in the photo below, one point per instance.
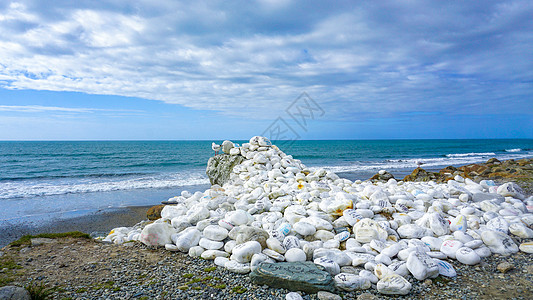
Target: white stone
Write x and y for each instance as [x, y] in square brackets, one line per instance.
[172, 211]
[343, 236]
[237, 267]
[400, 268]
[304, 228]
[511, 189]
[445, 268]
[367, 230]
[171, 247]
[338, 256]
[498, 224]
[187, 238]
[381, 270]
[412, 231]
[221, 261]
[391, 250]
[521, 230]
[197, 214]
[195, 251]
[243, 253]
[450, 247]
[209, 244]
[258, 259]
[499, 243]
[352, 217]
[324, 235]
[291, 242]
[295, 254]
[212, 254]
[483, 251]
[526, 247]
[467, 256]
[438, 224]
[228, 247]
[473, 244]
[432, 242]
[384, 259]
[273, 254]
[422, 266]
[157, 234]
[360, 258]
[351, 282]
[293, 296]
[394, 285]
[331, 244]
[331, 267]
[459, 223]
[215, 233]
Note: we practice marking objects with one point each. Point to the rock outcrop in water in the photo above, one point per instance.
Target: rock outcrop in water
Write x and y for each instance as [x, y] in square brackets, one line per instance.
[220, 167]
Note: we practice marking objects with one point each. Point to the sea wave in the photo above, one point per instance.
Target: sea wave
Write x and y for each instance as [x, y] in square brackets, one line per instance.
[513, 150]
[412, 163]
[24, 189]
[471, 154]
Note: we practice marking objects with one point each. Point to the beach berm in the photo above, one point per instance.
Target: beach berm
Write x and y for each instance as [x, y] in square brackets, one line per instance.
[271, 203]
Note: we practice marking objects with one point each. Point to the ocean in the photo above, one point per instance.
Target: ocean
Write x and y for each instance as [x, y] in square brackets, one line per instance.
[43, 181]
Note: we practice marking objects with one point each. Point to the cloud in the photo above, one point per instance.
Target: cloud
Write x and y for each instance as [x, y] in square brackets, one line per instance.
[251, 60]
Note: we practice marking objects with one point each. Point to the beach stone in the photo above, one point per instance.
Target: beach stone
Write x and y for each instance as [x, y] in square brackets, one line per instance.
[422, 266]
[258, 259]
[209, 244]
[213, 254]
[367, 296]
[14, 292]
[483, 251]
[323, 295]
[499, 243]
[295, 254]
[382, 270]
[450, 248]
[220, 167]
[171, 247]
[304, 228]
[331, 266]
[412, 231]
[336, 255]
[273, 254]
[467, 256]
[438, 224]
[294, 276]
[526, 247]
[367, 230]
[243, 253]
[505, 267]
[215, 233]
[237, 267]
[275, 244]
[445, 268]
[511, 189]
[187, 238]
[154, 212]
[293, 296]
[521, 230]
[291, 242]
[458, 223]
[394, 285]
[157, 234]
[249, 233]
[221, 261]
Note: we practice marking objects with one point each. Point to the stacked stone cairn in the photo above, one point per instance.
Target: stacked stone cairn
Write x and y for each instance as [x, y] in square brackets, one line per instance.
[273, 209]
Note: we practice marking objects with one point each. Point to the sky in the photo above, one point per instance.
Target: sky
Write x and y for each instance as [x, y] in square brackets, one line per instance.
[180, 70]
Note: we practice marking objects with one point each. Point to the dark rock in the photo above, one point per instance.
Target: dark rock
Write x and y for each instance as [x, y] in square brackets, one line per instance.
[219, 167]
[382, 176]
[494, 161]
[14, 292]
[295, 276]
[154, 212]
[420, 174]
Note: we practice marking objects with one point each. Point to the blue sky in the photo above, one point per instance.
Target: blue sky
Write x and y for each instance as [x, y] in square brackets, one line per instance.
[150, 69]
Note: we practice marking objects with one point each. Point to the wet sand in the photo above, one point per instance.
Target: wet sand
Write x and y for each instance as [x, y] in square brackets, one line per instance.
[100, 221]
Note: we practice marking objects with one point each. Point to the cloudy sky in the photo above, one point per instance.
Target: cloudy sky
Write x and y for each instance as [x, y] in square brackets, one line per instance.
[154, 69]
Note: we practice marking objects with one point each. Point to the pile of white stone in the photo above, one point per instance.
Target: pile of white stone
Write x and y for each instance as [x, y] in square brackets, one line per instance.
[274, 209]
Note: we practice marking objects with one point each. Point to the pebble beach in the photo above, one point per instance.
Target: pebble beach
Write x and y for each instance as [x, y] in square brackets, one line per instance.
[375, 239]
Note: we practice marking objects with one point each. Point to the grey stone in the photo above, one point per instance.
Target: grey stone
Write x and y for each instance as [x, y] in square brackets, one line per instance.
[14, 292]
[323, 295]
[367, 296]
[295, 276]
[41, 241]
[249, 233]
[219, 167]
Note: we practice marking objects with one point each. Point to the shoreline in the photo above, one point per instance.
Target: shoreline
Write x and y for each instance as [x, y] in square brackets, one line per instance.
[99, 221]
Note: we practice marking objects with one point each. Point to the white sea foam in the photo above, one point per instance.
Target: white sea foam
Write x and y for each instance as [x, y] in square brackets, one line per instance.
[471, 154]
[428, 163]
[513, 150]
[23, 189]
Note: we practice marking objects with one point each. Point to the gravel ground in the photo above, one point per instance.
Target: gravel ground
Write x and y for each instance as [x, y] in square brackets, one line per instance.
[86, 269]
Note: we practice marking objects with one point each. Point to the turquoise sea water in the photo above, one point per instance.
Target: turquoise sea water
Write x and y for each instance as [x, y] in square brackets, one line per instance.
[40, 181]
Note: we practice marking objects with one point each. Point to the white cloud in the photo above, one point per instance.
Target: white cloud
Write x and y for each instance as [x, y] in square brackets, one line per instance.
[353, 57]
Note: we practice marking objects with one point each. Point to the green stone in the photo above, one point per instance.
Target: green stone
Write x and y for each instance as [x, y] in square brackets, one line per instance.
[294, 276]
